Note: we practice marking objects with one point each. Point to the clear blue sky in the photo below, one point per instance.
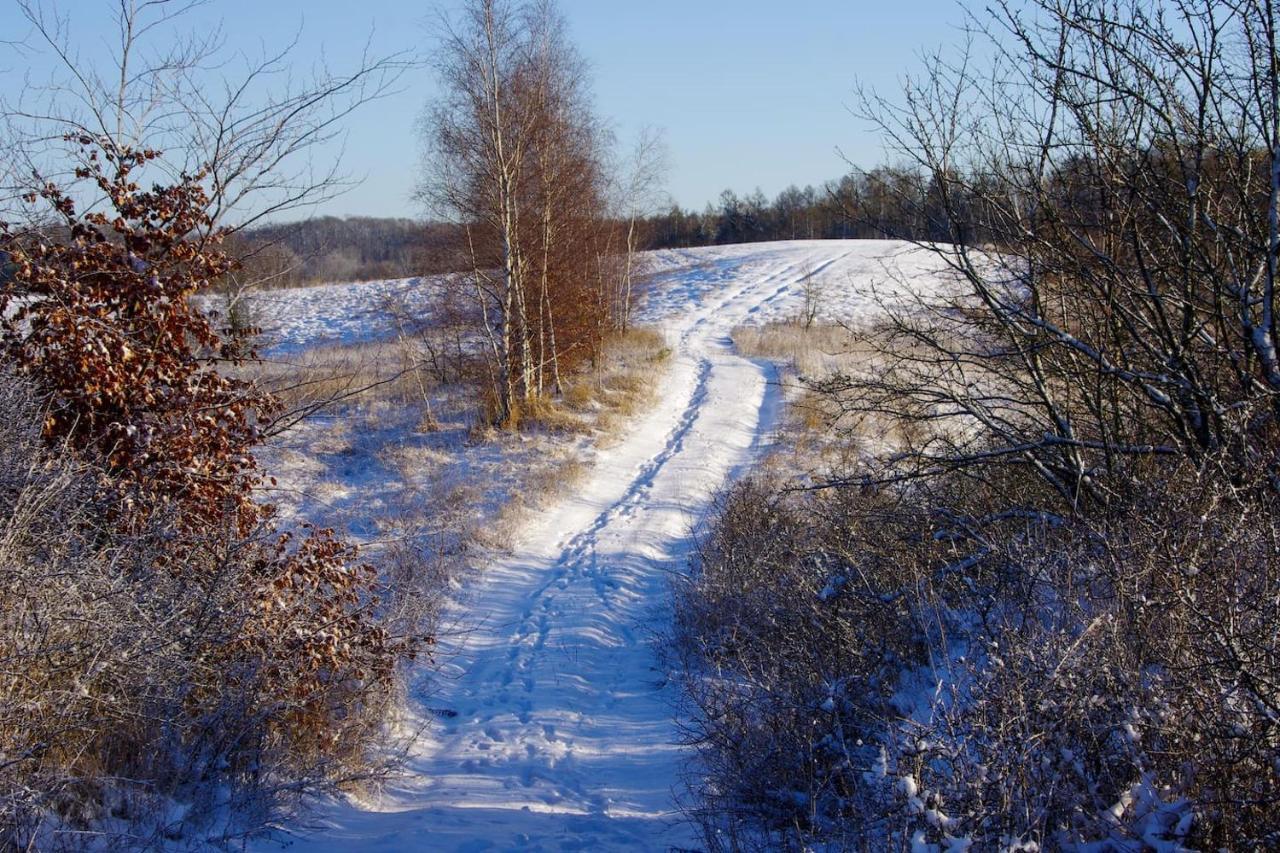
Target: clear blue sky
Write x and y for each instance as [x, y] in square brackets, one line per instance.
[750, 93]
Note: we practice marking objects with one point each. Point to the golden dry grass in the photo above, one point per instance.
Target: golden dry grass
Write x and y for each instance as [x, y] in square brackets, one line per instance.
[600, 399]
[540, 486]
[815, 351]
[820, 431]
[597, 401]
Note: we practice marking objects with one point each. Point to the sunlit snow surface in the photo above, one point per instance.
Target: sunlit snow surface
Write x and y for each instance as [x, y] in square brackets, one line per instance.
[551, 727]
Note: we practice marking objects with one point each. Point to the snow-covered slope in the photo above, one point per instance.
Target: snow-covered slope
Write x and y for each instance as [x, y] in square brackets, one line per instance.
[850, 278]
[552, 728]
[847, 272]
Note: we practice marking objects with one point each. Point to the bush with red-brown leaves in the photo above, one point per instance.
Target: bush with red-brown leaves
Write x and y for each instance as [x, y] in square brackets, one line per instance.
[97, 319]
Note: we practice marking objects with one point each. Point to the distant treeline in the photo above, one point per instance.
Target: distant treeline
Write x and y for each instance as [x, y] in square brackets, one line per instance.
[883, 202]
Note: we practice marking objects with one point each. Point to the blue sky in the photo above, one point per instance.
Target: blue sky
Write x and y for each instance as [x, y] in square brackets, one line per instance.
[750, 93]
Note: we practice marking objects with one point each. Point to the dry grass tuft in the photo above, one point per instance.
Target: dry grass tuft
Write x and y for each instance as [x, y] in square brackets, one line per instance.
[814, 351]
[597, 402]
[596, 399]
[623, 383]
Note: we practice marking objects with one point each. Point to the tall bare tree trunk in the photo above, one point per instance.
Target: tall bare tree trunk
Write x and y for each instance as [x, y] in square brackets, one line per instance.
[628, 265]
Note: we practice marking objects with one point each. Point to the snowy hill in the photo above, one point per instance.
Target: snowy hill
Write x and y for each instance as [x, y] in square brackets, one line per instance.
[683, 279]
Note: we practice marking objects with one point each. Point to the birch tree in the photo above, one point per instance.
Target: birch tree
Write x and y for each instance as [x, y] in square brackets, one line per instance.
[514, 157]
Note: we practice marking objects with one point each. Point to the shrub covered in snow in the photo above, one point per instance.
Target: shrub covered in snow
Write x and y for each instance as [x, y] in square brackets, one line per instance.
[790, 635]
[854, 676]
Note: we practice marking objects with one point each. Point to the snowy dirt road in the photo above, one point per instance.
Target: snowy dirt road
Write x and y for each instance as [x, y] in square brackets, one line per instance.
[552, 727]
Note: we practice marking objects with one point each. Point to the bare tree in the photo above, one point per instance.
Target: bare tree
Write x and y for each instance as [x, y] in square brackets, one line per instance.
[642, 196]
[1066, 516]
[247, 127]
[567, 188]
[477, 134]
[1123, 165]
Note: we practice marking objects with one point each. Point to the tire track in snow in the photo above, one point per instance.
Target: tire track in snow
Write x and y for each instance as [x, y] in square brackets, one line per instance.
[638, 489]
[563, 738]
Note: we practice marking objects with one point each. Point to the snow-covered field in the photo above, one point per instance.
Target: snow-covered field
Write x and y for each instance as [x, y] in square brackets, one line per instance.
[851, 274]
[295, 319]
[552, 727]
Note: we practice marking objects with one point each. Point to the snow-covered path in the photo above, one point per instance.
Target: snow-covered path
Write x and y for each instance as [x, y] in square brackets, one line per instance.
[555, 730]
